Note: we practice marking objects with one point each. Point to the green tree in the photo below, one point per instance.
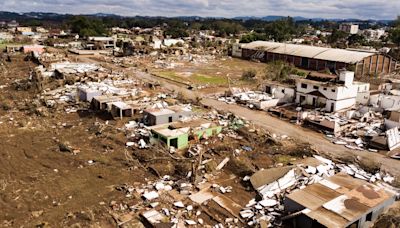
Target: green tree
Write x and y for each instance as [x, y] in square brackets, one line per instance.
[336, 36]
[249, 74]
[281, 30]
[356, 39]
[86, 26]
[394, 36]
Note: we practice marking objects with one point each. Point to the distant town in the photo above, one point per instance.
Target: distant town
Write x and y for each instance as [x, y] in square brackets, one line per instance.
[112, 121]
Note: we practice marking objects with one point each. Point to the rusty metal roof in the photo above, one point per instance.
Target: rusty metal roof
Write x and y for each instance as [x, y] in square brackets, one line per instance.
[321, 53]
[339, 200]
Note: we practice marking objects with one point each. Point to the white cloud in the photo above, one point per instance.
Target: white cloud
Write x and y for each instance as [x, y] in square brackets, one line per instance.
[363, 9]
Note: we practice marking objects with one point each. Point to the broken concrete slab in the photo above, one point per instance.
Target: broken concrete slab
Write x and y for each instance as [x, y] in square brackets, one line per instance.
[267, 176]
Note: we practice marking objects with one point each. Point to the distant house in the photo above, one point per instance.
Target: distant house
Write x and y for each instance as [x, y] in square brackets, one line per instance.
[338, 201]
[177, 134]
[24, 29]
[87, 94]
[172, 42]
[330, 92]
[349, 28]
[171, 114]
[12, 24]
[101, 43]
[363, 63]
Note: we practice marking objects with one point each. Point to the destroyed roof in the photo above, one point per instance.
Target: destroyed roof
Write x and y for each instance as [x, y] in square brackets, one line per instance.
[167, 111]
[339, 200]
[167, 132]
[317, 76]
[121, 105]
[159, 112]
[328, 54]
[193, 124]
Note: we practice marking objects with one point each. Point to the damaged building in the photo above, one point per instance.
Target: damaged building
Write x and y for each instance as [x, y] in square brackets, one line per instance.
[331, 92]
[318, 58]
[178, 134]
[338, 201]
[159, 116]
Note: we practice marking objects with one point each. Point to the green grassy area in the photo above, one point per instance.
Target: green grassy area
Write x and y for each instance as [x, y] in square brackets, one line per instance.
[169, 74]
[200, 79]
[211, 80]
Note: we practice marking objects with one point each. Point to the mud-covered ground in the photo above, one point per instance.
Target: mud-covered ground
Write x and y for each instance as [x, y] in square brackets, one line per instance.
[60, 169]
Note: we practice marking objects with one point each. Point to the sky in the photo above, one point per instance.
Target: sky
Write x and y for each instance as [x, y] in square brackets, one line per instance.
[361, 9]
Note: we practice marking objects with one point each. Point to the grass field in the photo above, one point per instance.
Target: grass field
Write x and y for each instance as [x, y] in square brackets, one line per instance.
[213, 74]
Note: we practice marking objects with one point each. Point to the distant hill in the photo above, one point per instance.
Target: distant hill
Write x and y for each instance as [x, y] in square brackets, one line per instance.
[7, 16]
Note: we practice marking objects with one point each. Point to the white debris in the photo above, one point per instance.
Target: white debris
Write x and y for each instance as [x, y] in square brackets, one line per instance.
[151, 195]
[179, 204]
[246, 214]
[311, 170]
[190, 222]
[222, 164]
[268, 202]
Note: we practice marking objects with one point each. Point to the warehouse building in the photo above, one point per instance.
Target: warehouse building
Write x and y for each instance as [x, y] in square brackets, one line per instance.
[318, 58]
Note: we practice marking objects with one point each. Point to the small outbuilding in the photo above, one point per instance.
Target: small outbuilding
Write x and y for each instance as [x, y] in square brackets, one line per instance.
[171, 114]
[178, 134]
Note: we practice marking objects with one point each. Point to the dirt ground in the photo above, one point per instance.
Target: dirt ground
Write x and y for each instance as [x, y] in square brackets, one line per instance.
[39, 184]
[63, 169]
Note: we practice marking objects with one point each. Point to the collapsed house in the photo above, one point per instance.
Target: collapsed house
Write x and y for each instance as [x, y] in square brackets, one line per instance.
[330, 92]
[338, 201]
[317, 58]
[177, 134]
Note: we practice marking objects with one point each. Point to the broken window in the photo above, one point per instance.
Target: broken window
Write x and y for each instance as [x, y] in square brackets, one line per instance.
[315, 87]
[304, 86]
[369, 217]
[333, 90]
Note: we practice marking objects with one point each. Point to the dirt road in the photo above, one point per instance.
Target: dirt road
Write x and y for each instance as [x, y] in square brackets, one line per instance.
[281, 127]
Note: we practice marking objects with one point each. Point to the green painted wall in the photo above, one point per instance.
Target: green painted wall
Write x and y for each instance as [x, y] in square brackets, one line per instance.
[209, 132]
[183, 141]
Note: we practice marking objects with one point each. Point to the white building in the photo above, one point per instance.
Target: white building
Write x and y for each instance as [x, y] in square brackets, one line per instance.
[237, 50]
[284, 93]
[329, 92]
[373, 34]
[172, 42]
[103, 42]
[349, 28]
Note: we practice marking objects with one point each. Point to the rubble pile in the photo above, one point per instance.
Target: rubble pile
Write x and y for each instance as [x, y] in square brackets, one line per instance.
[269, 206]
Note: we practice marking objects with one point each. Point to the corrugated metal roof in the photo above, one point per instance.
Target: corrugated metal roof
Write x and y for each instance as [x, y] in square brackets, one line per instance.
[338, 207]
[328, 54]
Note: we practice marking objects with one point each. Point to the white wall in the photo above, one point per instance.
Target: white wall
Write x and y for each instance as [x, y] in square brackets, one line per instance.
[237, 50]
[385, 101]
[284, 94]
[331, 92]
[363, 98]
[343, 104]
[337, 104]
